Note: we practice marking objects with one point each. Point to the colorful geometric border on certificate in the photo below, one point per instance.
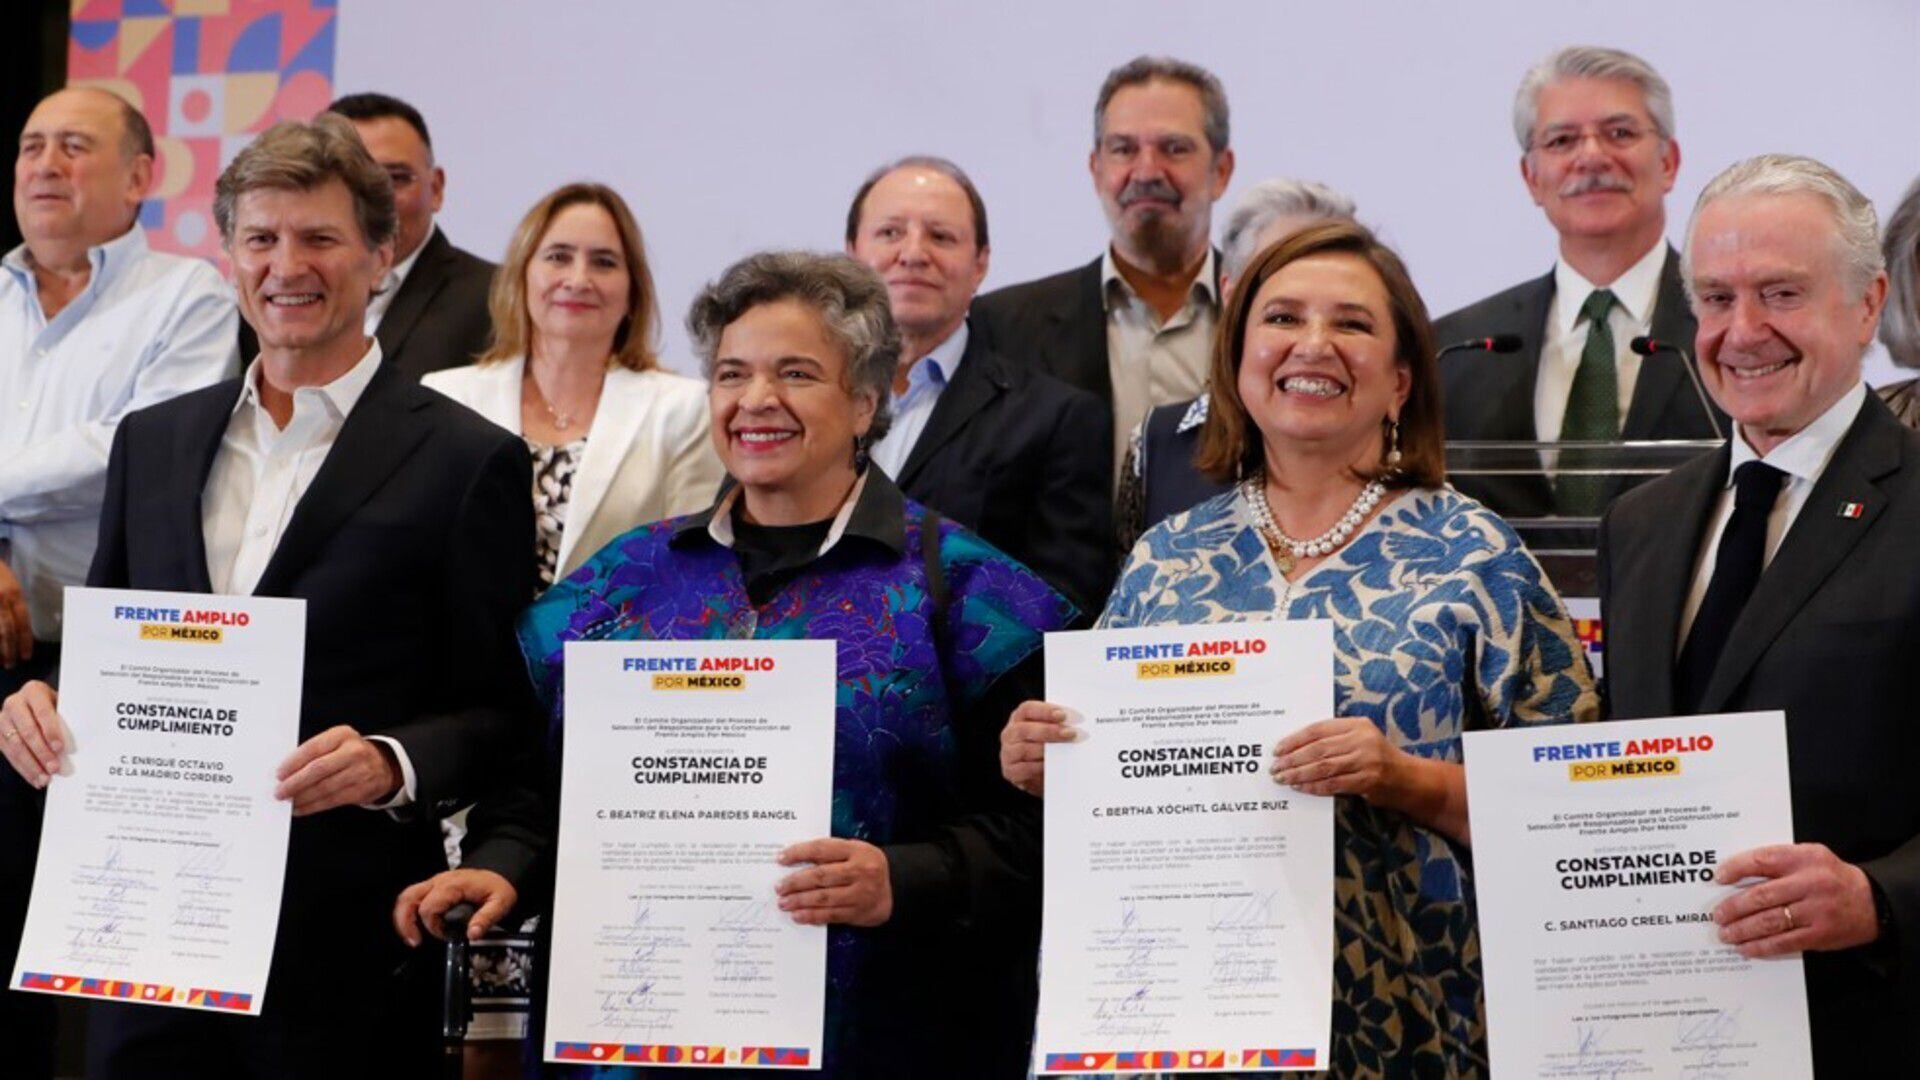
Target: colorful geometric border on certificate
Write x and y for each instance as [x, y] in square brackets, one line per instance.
[1094, 1061]
[790, 1057]
[194, 998]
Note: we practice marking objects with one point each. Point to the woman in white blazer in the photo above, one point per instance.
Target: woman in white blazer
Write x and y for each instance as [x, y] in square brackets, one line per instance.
[616, 441]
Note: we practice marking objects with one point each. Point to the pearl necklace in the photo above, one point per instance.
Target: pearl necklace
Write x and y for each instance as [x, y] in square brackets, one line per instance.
[1285, 548]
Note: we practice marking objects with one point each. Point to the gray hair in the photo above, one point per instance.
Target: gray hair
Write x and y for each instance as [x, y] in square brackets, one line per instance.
[1268, 201]
[1145, 69]
[1855, 225]
[1591, 62]
[291, 156]
[849, 298]
[1900, 322]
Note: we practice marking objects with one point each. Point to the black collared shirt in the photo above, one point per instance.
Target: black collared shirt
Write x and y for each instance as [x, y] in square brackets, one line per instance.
[772, 555]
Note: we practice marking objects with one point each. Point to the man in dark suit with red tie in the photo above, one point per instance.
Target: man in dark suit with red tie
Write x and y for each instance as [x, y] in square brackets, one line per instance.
[402, 520]
[1780, 573]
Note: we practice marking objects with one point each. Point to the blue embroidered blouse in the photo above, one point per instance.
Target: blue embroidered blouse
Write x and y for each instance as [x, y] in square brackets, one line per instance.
[915, 767]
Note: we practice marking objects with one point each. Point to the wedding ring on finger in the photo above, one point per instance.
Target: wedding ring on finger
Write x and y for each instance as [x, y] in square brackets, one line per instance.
[1787, 910]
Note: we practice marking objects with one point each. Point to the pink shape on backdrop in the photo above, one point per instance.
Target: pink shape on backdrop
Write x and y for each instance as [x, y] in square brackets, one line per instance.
[298, 24]
[302, 96]
[196, 105]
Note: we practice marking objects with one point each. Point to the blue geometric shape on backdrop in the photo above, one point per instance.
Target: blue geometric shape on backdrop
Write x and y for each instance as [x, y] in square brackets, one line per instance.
[186, 46]
[318, 55]
[257, 49]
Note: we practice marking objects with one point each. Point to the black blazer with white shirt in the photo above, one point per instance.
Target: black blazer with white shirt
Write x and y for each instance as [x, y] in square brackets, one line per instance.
[1025, 461]
[412, 550]
[1830, 635]
[439, 317]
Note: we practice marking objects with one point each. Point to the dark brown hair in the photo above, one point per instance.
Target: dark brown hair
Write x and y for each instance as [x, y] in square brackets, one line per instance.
[1230, 445]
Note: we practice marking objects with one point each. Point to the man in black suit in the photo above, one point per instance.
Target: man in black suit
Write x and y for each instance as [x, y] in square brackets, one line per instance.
[1008, 451]
[1598, 156]
[402, 520]
[431, 310]
[1135, 326]
[1779, 573]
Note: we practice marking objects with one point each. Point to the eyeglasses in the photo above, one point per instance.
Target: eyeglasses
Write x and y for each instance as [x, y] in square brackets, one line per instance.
[1566, 141]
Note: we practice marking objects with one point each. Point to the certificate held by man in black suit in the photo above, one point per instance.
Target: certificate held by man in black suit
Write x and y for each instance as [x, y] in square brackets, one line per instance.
[403, 522]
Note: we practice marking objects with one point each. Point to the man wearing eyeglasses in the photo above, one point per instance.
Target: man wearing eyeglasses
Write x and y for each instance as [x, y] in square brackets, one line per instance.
[1598, 155]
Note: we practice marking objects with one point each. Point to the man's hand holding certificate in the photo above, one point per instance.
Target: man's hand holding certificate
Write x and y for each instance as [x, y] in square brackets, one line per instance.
[164, 848]
[1602, 853]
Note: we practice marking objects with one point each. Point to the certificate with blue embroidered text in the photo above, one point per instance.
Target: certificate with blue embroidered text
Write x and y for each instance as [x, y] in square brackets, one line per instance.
[1187, 924]
[163, 851]
[1594, 852]
[688, 766]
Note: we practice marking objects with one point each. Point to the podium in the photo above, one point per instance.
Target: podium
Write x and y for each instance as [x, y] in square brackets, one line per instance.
[1522, 482]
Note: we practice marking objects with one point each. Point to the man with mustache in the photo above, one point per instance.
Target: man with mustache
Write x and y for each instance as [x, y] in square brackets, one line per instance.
[93, 325]
[1006, 450]
[1598, 155]
[1134, 327]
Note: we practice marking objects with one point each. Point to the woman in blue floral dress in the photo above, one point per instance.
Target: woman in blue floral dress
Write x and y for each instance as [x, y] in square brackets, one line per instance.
[929, 885]
[1327, 418]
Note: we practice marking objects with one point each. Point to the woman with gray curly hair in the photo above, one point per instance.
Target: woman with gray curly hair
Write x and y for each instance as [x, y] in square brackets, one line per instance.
[1900, 322]
[929, 885]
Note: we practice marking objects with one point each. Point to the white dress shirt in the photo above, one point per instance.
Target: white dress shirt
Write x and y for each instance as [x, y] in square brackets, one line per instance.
[147, 327]
[1151, 362]
[926, 380]
[396, 277]
[1635, 291]
[1803, 457]
[259, 475]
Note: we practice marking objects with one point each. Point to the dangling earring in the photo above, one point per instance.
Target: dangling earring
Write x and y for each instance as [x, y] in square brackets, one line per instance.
[859, 453]
[1393, 447]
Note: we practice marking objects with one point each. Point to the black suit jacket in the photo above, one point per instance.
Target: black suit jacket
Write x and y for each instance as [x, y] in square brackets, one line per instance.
[412, 549]
[439, 317]
[1024, 460]
[1830, 636]
[1490, 396]
[1057, 322]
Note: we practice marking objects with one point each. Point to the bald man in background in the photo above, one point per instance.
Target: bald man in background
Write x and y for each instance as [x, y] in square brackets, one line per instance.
[93, 325]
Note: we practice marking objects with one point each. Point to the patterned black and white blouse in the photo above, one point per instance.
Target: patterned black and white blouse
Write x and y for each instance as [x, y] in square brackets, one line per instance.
[553, 469]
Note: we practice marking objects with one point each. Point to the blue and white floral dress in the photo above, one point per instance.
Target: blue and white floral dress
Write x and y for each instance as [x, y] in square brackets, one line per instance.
[1442, 622]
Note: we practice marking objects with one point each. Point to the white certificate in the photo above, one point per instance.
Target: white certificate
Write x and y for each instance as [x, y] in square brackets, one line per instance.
[1188, 918]
[164, 850]
[1594, 850]
[688, 766]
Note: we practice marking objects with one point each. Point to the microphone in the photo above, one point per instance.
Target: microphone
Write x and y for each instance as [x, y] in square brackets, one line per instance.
[1646, 346]
[1498, 343]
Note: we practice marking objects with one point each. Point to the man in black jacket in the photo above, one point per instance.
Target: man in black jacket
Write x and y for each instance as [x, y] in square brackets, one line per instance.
[1778, 573]
[402, 520]
[1598, 156]
[1135, 326]
[1001, 447]
[431, 311]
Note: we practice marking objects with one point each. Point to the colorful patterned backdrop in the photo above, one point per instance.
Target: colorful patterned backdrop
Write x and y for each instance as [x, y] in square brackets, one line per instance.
[208, 74]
